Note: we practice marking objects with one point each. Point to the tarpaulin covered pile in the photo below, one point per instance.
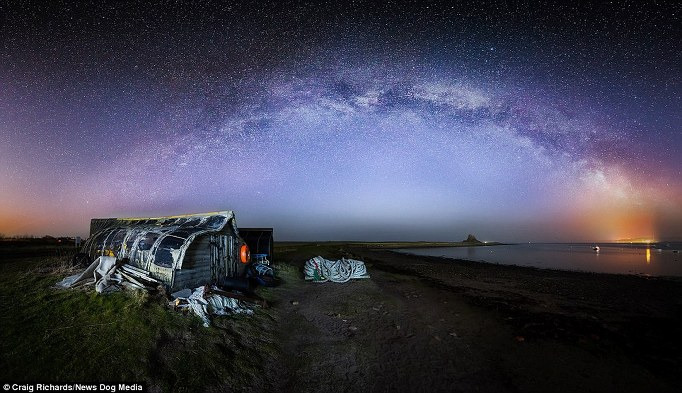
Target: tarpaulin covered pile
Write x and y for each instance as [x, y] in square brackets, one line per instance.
[319, 269]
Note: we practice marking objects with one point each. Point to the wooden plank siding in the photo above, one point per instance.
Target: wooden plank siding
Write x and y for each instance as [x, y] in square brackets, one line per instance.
[196, 266]
[208, 258]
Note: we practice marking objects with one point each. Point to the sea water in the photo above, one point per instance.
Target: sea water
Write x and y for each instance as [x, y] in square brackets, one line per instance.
[664, 259]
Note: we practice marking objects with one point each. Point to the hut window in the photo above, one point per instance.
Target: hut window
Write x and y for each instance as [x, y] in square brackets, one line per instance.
[164, 257]
[147, 241]
[117, 241]
[172, 242]
[99, 242]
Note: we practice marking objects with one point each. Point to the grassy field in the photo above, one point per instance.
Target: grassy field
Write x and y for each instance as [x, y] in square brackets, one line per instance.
[55, 335]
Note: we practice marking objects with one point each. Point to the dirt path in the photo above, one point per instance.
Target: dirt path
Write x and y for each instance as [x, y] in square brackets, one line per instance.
[399, 332]
[378, 336]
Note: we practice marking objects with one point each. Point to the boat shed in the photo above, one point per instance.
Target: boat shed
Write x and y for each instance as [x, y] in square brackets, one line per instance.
[182, 251]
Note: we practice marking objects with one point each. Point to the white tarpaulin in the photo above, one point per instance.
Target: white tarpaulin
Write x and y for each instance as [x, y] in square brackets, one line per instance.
[319, 269]
[204, 304]
[101, 272]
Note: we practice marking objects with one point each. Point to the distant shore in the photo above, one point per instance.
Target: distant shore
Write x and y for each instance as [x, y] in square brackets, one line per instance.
[393, 245]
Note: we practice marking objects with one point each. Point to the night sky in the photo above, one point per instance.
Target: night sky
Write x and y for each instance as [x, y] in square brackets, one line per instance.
[349, 121]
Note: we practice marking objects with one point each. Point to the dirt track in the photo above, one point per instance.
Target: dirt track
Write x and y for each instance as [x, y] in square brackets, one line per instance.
[424, 324]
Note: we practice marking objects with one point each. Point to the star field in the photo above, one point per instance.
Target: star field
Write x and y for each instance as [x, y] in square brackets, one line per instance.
[396, 120]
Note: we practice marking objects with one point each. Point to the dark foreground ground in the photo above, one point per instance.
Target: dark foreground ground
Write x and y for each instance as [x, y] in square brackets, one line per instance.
[419, 324]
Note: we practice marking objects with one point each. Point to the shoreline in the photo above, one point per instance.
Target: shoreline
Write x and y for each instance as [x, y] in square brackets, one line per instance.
[483, 261]
[548, 269]
[391, 244]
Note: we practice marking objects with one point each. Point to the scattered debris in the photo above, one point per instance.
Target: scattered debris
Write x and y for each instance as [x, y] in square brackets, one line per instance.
[319, 269]
[252, 298]
[205, 301]
[184, 293]
[262, 274]
[262, 269]
[109, 276]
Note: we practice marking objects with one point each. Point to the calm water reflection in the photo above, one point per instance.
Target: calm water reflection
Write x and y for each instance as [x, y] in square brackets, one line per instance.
[611, 258]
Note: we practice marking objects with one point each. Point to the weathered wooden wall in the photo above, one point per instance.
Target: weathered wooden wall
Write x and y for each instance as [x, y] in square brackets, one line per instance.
[196, 266]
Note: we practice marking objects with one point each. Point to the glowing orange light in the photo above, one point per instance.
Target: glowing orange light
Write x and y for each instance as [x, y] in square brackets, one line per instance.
[244, 254]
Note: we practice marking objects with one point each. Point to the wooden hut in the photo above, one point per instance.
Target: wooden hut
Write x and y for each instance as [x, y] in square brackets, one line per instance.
[181, 251]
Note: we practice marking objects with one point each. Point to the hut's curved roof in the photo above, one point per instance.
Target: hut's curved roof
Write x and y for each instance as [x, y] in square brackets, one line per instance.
[161, 241]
